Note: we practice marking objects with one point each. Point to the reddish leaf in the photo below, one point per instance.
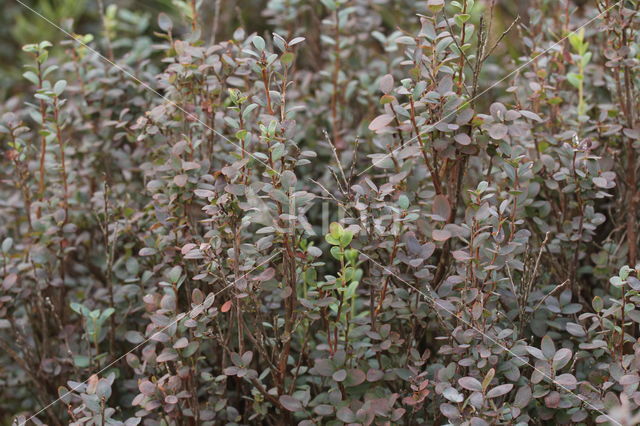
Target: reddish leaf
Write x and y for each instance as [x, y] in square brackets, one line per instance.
[265, 275]
[441, 207]
[180, 180]
[440, 234]
[226, 306]
[461, 255]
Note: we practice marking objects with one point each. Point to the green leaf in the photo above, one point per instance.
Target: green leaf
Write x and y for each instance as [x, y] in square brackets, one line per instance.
[7, 244]
[106, 314]
[277, 151]
[258, 42]
[81, 361]
[49, 70]
[403, 202]
[624, 272]
[435, 6]
[174, 274]
[31, 76]
[597, 304]
[248, 110]
[330, 4]
[335, 230]
[616, 281]
[352, 256]
[575, 79]
[462, 18]
[345, 238]
[31, 48]
[336, 252]
[287, 58]
[351, 290]
[576, 39]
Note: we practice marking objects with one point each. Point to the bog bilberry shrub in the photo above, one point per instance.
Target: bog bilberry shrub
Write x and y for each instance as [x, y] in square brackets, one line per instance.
[349, 212]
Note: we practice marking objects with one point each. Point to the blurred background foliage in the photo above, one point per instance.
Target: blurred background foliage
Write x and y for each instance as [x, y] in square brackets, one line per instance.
[18, 26]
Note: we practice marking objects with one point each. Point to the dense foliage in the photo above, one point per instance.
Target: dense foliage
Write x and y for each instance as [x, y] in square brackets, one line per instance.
[343, 212]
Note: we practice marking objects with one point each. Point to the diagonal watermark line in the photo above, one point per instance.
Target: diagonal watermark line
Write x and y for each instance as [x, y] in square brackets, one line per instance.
[144, 85]
[178, 318]
[430, 127]
[433, 300]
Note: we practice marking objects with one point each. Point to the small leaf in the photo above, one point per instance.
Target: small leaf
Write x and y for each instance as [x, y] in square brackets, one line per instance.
[498, 131]
[435, 5]
[204, 193]
[59, 87]
[374, 375]
[296, 41]
[453, 395]
[380, 122]
[575, 329]
[536, 352]
[499, 390]
[562, 358]
[147, 251]
[470, 383]
[523, 396]
[164, 22]
[487, 379]
[146, 387]
[323, 410]
[567, 380]
[441, 207]
[290, 403]
[346, 415]
[7, 244]
[629, 379]
[258, 42]
[168, 354]
[286, 58]
[461, 255]
[386, 84]
[597, 303]
[403, 202]
[226, 306]
[355, 377]
[340, 375]
[81, 361]
[440, 234]
[600, 182]
[462, 139]
[449, 411]
[531, 115]
[180, 180]
[174, 274]
[575, 80]
[548, 348]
